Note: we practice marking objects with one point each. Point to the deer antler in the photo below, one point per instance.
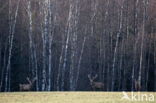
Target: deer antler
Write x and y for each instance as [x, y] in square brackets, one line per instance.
[95, 77]
[89, 77]
[34, 79]
[28, 79]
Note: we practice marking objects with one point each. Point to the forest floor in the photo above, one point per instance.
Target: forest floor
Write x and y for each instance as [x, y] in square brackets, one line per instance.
[78, 97]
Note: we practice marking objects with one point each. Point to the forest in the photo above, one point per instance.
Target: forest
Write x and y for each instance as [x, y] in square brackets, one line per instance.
[77, 45]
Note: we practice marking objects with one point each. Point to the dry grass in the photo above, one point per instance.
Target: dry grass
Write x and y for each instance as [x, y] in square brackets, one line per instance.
[69, 97]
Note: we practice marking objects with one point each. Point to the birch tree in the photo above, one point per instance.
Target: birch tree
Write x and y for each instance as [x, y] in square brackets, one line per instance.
[33, 57]
[142, 42]
[12, 25]
[136, 41]
[116, 46]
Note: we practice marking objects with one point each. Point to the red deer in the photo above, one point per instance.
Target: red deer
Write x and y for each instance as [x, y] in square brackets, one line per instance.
[95, 85]
[137, 85]
[27, 87]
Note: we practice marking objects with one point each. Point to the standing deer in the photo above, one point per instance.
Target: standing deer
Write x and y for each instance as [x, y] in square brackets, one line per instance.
[137, 85]
[27, 87]
[95, 85]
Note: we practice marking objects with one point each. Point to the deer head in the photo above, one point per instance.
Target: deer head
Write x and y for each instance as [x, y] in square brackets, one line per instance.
[28, 86]
[95, 85]
[137, 85]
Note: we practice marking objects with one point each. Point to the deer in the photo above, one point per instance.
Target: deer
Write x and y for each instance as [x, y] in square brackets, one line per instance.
[137, 85]
[28, 86]
[95, 85]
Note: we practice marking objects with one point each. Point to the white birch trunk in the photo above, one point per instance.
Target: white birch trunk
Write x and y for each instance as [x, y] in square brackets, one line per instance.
[116, 46]
[12, 32]
[135, 45]
[142, 42]
[79, 63]
[66, 47]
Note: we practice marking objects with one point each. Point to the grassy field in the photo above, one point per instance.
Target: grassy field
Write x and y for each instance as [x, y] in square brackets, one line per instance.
[77, 97]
